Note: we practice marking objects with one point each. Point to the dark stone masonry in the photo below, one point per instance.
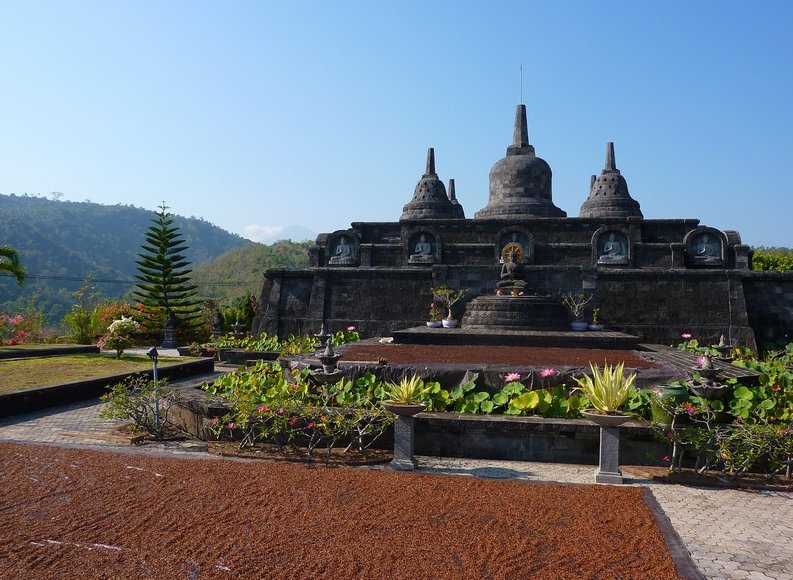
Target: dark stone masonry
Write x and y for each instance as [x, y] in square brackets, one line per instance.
[653, 278]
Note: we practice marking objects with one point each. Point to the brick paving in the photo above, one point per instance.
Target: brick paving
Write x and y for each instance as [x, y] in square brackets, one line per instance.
[729, 533]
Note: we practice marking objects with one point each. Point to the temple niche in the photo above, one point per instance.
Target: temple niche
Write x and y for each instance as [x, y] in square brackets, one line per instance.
[612, 248]
[652, 278]
[423, 248]
[705, 247]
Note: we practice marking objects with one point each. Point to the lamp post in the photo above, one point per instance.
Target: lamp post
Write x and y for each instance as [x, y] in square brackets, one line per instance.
[153, 354]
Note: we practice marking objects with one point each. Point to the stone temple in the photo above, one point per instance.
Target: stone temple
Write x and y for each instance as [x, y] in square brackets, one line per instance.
[651, 278]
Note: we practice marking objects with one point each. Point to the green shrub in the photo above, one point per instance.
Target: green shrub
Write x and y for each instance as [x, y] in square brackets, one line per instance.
[135, 399]
[772, 259]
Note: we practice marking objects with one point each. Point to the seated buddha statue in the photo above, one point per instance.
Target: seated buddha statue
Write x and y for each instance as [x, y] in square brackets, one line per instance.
[511, 275]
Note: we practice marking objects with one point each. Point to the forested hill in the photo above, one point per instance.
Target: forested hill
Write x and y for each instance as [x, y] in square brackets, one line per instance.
[240, 270]
[60, 243]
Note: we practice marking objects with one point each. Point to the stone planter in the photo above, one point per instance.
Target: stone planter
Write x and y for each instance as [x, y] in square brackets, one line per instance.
[404, 410]
[608, 470]
[434, 323]
[450, 323]
[579, 325]
[596, 327]
[603, 420]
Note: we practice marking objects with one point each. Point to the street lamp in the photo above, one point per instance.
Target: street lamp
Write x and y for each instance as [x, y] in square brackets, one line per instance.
[153, 354]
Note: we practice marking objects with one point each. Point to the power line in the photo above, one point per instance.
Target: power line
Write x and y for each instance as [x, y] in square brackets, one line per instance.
[108, 281]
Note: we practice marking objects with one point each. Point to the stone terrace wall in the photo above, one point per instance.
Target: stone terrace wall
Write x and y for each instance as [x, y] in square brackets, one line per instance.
[769, 302]
[658, 306]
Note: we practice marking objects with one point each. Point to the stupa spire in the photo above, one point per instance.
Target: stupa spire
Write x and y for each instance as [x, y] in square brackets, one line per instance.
[520, 136]
[430, 162]
[452, 193]
[611, 164]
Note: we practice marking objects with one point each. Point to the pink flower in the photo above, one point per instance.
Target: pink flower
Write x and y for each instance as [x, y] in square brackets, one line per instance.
[686, 336]
[214, 421]
[511, 377]
[280, 410]
[350, 328]
[310, 425]
[545, 373]
[230, 425]
[293, 421]
[701, 361]
[666, 458]
[689, 408]
[260, 408]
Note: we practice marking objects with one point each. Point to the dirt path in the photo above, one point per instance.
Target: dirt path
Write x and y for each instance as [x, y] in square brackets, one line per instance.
[74, 513]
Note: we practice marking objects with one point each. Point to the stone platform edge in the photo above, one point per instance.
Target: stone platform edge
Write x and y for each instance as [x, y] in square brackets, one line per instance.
[7, 353]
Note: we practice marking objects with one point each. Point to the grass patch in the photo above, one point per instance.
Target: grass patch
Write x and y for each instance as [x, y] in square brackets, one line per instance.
[22, 374]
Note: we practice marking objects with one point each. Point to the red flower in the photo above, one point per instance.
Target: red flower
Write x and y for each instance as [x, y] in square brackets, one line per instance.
[310, 425]
[666, 458]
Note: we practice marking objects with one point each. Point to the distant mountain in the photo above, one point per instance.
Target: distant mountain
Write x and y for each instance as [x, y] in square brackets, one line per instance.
[240, 270]
[272, 234]
[60, 243]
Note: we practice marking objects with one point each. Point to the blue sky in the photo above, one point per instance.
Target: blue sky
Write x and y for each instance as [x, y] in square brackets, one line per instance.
[260, 115]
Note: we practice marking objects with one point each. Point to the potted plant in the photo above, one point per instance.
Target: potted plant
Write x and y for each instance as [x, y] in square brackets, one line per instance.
[607, 391]
[448, 297]
[575, 302]
[596, 324]
[435, 316]
[405, 397]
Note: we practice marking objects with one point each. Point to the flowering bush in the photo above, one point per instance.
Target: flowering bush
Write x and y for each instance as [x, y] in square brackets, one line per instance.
[20, 328]
[119, 335]
[266, 407]
[111, 311]
[435, 313]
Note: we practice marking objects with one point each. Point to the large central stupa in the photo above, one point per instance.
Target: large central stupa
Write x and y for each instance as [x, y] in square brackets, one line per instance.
[520, 183]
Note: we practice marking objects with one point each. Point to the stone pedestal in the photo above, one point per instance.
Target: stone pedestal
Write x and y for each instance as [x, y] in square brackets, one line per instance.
[609, 463]
[404, 436]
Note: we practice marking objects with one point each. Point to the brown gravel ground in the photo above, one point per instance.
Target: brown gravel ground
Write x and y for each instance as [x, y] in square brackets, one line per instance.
[493, 355]
[76, 513]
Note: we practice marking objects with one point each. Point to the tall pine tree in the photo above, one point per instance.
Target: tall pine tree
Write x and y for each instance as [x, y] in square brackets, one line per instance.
[164, 276]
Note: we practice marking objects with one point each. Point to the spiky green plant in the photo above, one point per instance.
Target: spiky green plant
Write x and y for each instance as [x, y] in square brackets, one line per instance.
[608, 390]
[408, 391]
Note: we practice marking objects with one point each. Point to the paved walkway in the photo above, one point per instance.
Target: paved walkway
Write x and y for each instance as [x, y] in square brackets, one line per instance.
[729, 533]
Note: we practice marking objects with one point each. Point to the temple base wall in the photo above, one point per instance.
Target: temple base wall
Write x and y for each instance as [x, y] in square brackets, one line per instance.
[658, 305]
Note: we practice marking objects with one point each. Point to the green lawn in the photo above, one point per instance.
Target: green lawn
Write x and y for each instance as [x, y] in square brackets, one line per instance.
[27, 373]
